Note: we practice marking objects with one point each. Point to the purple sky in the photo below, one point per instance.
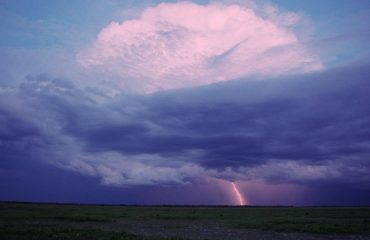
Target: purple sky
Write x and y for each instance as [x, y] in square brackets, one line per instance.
[173, 102]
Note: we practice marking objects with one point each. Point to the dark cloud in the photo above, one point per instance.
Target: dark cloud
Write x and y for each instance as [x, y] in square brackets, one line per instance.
[304, 129]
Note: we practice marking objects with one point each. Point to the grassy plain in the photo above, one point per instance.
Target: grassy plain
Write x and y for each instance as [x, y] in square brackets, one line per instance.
[41, 221]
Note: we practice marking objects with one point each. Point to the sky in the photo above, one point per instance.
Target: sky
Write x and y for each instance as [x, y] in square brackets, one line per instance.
[185, 102]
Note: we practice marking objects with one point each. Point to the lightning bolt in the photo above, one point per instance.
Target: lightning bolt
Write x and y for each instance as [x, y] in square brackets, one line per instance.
[238, 195]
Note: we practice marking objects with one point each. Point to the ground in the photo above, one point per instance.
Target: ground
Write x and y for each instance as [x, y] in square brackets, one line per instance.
[43, 221]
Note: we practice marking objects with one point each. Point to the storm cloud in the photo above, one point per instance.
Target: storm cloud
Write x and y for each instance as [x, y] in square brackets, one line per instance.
[306, 129]
[172, 101]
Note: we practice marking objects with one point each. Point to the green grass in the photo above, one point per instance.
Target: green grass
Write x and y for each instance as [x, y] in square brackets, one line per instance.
[32, 221]
[36, 232]
[50, 232]
[311, 220]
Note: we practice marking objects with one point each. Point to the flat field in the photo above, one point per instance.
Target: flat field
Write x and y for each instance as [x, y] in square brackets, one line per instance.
[44, 221]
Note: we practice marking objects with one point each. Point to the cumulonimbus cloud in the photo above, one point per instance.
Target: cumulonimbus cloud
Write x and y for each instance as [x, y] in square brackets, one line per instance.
[292, 130]
[184, 44]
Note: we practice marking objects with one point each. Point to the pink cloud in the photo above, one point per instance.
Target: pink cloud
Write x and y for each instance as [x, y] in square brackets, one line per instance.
[265, 193]
[261, 192]
[174, 45]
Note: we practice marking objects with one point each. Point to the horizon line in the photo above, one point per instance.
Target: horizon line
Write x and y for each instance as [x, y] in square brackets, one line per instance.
[182, 205]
